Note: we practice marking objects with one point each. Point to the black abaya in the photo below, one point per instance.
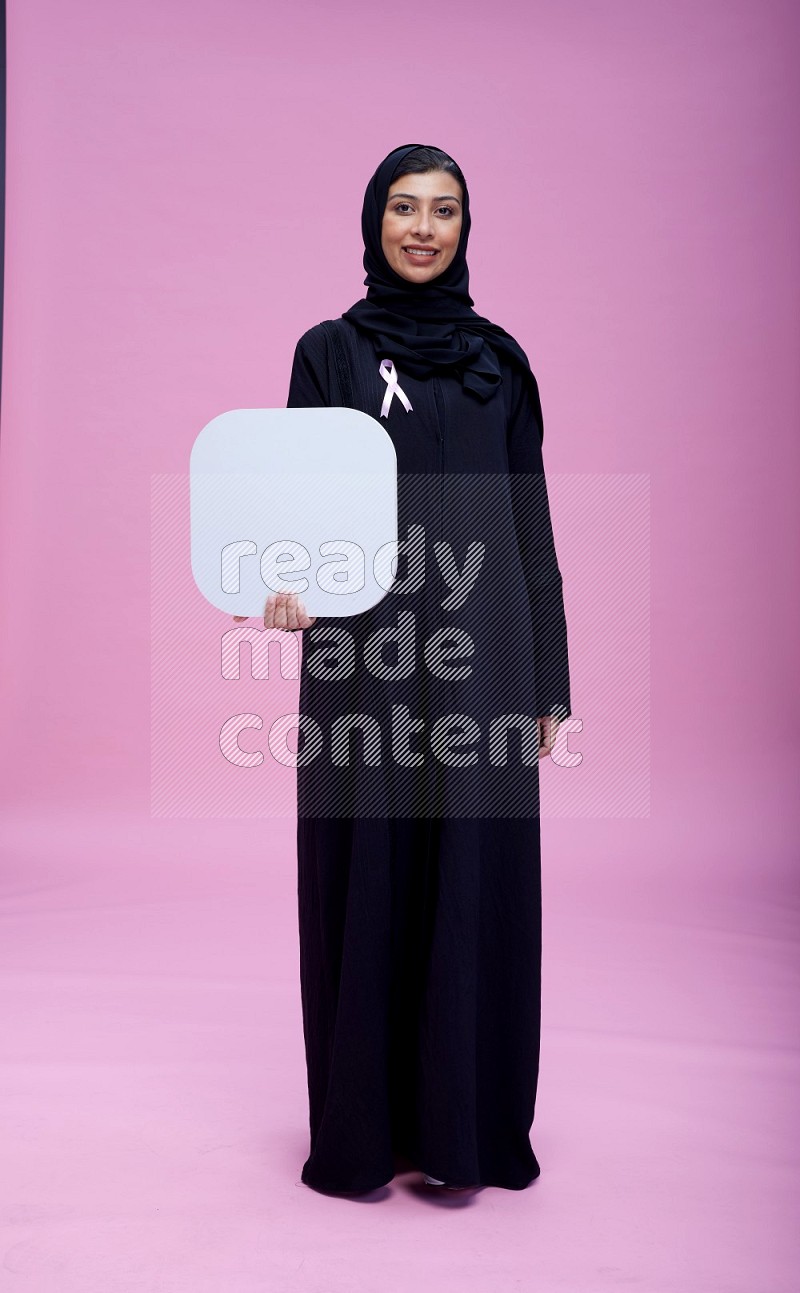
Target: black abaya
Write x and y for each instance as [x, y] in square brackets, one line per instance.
[419, 887]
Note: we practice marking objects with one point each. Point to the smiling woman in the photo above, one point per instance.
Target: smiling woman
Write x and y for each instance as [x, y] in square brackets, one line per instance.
[421, 230]
[419, 877]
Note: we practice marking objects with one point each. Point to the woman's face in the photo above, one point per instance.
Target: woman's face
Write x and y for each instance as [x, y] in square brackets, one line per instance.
[423, 212]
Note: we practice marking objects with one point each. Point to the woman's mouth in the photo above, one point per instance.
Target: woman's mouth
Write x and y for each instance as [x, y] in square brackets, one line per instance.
[419, 255]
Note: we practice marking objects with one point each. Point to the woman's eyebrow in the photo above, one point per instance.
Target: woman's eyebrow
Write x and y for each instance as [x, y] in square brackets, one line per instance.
[446, 197]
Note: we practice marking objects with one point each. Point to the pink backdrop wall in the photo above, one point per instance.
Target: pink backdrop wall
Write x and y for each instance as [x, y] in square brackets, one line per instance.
[184, 193]
[184, 198]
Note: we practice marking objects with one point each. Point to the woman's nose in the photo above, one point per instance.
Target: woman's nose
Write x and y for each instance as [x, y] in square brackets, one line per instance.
[423, 225]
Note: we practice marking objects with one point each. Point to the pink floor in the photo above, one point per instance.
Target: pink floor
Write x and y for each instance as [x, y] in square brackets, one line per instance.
[153, 1086]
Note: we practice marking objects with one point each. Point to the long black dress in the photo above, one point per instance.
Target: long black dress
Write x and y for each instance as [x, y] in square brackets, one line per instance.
[419, 878]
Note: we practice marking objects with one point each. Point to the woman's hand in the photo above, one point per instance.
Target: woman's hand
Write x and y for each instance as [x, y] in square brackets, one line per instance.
[284, 611]
[548, 728]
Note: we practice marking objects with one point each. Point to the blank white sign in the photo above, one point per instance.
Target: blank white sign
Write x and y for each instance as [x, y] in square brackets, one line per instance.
[294, 500]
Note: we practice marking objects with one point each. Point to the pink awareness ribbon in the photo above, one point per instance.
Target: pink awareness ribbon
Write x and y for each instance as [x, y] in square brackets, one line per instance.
[388, 372]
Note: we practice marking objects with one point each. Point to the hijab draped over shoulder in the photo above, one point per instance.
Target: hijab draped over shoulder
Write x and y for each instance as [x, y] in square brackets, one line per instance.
[429, 327]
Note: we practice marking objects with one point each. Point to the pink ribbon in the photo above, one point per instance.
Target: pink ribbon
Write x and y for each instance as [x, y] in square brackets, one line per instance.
[388, 372]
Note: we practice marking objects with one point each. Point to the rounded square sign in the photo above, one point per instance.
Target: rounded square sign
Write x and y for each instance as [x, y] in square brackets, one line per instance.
[294, 500]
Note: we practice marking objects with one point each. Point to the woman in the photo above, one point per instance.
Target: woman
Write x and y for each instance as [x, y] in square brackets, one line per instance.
[419, 880]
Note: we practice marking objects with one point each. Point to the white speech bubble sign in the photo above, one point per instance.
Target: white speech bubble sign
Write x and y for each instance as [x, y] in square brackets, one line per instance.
[294, 500]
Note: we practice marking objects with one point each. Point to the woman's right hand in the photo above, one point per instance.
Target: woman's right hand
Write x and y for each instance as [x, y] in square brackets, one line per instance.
[284, 611]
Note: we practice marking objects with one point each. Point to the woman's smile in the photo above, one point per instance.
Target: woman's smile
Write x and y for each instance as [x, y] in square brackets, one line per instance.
[420, 255]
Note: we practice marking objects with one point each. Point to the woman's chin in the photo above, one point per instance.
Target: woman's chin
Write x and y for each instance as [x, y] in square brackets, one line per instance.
[423, 275]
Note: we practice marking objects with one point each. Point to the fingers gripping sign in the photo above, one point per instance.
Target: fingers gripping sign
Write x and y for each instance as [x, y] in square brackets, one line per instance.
[284, 611]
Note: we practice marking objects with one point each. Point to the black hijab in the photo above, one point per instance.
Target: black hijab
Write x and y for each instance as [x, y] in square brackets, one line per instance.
[428, 326]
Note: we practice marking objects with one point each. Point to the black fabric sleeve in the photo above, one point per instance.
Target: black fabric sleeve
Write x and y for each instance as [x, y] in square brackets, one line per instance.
[308, 384]
[309, 388]
[532, 521]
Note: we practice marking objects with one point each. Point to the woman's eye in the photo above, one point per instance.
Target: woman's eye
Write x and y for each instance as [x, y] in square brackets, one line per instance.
[399, 205]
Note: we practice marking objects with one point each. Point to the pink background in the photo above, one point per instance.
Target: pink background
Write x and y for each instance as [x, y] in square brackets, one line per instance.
[184, 194]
